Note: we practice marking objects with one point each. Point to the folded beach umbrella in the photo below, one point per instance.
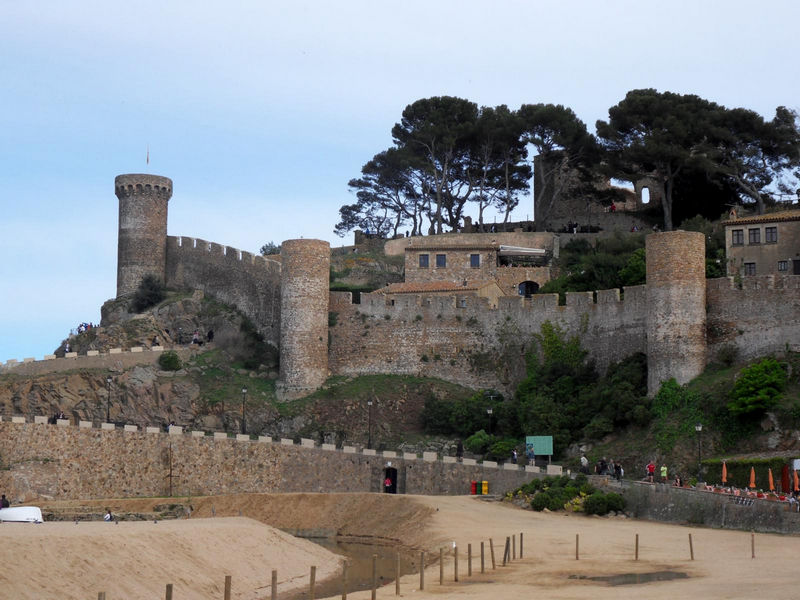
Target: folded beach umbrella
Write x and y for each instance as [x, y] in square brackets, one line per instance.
[724, 472]
[771, 481]
[785, 485]
[752, 477]
[796, 482]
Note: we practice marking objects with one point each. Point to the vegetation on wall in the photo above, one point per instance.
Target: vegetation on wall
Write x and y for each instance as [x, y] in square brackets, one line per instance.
[149, 293]
[613, 262]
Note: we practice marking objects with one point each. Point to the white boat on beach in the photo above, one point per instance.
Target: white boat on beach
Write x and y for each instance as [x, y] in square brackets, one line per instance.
[21, 514]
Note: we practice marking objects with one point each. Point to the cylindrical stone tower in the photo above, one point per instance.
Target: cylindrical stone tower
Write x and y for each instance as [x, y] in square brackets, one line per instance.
[676, 307]
[142, 241]
[305, 276]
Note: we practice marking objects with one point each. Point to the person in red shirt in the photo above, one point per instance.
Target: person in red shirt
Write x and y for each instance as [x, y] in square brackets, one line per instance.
[651, 470]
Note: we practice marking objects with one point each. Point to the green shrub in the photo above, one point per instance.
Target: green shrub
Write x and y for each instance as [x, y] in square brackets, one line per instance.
[557, 502]
[479, 442]
[541, 501]
[169, 361]
[615, 502]
[149, 293]
[758, 388]
[596, 504]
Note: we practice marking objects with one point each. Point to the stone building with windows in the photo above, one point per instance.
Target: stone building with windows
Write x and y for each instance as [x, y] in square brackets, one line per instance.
[517, 270]
[763, 244]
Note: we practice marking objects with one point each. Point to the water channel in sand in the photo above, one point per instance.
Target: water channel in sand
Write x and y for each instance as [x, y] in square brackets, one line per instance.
[359, 570]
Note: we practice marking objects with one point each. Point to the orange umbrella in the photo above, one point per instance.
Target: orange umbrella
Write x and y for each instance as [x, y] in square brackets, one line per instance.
[796, 482]
[724, 472]
[771, 481]
[752, 477]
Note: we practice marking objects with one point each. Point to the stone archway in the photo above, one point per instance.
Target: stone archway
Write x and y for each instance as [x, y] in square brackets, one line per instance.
[527, 288]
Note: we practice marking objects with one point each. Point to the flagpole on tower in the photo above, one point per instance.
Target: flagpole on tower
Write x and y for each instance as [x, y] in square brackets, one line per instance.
[147, 160]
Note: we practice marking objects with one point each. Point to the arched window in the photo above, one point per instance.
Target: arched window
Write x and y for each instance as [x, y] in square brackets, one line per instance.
[527, 288]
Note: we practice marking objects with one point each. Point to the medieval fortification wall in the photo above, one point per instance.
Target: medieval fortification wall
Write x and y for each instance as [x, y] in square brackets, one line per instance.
[68, 462]
[460, 338]
[249, 282]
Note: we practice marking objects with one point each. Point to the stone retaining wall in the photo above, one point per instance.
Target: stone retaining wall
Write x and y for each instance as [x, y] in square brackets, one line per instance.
[69, 462]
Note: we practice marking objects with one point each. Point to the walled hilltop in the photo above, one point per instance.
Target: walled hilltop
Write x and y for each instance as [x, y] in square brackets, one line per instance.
[678, 319]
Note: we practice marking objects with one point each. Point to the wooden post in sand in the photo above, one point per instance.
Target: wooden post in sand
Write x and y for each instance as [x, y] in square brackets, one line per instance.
[422, 570]
[344, 580]
[227, 587]
[577, 538]
[441, 566]
[168, 595]
[520, 545]
[691, 548]
[491, 552]
[514, 546]
[469, 560]
[636, 552]
[311, 581]
[101, 596]
[752, 545]
[483, 560]
[274, 585]
[374, 576]
[397, 576]
[507, 551]
[455, 563]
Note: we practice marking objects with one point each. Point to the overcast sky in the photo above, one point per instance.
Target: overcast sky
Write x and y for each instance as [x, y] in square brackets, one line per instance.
[260, 111]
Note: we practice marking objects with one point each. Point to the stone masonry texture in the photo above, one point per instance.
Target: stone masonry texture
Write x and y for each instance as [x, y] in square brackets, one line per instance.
[305, 274]
[676, 307]
[141, 245]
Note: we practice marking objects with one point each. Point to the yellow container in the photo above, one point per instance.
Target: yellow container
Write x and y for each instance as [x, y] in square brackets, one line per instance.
[484, 487]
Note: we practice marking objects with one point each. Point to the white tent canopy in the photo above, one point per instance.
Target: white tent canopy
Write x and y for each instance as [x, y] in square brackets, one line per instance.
[520, 251]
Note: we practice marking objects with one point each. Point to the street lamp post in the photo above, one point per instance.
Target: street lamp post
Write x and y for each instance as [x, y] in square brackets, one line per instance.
[244, 397]
[108, 399]
[369, 423]
[489, 412]
[699, 429]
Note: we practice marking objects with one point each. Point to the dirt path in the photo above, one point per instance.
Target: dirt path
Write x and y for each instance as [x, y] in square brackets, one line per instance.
[206, 548]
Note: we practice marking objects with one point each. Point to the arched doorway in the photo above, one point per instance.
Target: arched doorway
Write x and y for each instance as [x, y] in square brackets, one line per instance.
[527, 288]
[390, 480]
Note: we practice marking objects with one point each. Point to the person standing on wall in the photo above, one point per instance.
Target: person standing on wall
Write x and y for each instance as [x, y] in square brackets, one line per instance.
[4, 503]
[651, 471]
[663, 473]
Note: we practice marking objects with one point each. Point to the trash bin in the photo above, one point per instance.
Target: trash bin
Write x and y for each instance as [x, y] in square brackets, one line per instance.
[473, 488]
[484, 487]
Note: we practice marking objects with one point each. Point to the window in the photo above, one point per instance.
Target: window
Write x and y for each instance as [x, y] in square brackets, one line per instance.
[423, 261]
[737, 237]
[749, 268]
[783, 265]
[771, 235]
[474, 260]
[754, 235]
[441, 261]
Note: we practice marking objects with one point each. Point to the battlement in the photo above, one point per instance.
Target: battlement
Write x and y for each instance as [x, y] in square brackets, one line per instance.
[126, 186]
[760, 282]
[198, 247]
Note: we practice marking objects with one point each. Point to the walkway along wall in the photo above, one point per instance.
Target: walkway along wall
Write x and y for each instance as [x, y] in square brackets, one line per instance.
[68, 462]
[668, 504]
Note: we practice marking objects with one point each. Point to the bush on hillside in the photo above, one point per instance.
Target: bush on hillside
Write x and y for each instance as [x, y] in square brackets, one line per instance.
[149, 293]
[169, 361]
[758, 388]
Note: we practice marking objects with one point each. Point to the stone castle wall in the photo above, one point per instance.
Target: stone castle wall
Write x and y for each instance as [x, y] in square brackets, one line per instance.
[463, 340]
[761, 317]
[142, 231]
[676, 304]
[66, 462]
[249, 282]
[304, 317]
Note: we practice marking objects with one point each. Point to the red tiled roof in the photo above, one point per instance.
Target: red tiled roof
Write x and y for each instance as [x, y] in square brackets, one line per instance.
[783, 215]
[421, 287]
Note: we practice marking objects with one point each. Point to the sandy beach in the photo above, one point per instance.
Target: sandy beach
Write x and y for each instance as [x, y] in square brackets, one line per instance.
[135, 560]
